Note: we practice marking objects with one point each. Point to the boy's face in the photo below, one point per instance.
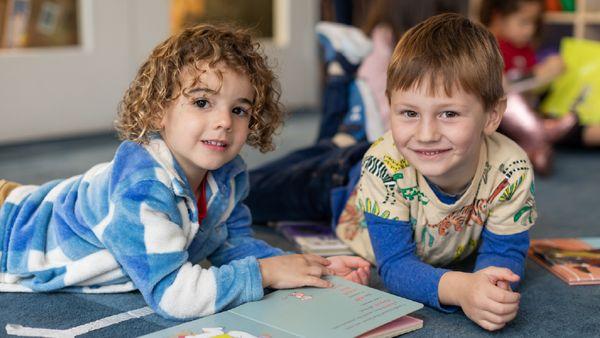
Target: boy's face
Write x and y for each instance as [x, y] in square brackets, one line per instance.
[209, 127]
[519, 27]
[441, 135]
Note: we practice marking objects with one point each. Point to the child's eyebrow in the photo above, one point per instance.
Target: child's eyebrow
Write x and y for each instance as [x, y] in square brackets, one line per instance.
[212, 92]
[245, 100]
[202, 89]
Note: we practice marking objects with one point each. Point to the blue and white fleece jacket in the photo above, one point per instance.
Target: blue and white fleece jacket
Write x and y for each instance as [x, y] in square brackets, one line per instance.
[133, 223]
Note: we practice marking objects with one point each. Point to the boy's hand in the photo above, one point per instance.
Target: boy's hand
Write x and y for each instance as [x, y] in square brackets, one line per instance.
[486, 297]
[291, 271]
[352, 268]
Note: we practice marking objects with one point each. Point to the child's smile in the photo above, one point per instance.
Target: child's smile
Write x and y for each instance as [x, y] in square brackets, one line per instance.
[217, 145]
[432, 154]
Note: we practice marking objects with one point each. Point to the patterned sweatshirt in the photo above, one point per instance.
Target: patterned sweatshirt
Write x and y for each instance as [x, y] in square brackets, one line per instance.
[133, 223]
[399, 220]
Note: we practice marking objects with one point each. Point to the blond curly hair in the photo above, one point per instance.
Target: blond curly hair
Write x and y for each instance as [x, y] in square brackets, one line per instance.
[157, 82]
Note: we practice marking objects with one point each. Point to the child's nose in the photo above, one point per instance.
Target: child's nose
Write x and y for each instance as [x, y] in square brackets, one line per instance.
[427, 131]
[223, 119]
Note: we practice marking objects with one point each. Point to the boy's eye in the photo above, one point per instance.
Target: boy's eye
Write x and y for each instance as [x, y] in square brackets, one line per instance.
[239, 111]
[409, 114]
[449, 114]
[202, 103]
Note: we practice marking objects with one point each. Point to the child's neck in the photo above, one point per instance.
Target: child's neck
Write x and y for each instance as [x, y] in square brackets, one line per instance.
[456, 191]
[197, 188]
[195, 180]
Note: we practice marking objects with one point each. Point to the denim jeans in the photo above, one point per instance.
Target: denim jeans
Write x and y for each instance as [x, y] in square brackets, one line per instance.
[298, 186]
[335, 105]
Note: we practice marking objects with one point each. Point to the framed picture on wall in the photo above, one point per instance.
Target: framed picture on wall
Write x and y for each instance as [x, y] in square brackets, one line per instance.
[256, 14]
[39, 23]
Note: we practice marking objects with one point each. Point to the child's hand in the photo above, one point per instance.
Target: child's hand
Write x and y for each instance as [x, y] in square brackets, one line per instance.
[352, 268]
[487, 299]
[291, 271]
[550, 68]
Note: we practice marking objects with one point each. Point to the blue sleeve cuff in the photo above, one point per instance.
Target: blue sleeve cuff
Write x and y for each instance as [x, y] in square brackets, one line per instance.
[506, 251]
[255, 290]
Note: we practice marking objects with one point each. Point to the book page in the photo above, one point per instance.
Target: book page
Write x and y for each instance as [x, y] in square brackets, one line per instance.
[346, 310]
[218, 325]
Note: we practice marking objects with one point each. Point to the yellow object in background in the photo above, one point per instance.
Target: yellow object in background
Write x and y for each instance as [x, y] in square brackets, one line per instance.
[578, 89]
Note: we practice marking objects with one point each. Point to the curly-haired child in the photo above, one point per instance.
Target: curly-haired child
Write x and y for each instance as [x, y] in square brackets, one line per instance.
[172, 195]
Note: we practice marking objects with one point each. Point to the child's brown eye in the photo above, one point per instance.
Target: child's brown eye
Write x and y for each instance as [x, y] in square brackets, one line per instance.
[240, 111]
[449, 114]
[410, 114]
[201, 103]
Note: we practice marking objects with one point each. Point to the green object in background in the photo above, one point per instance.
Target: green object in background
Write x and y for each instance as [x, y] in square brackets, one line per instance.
[578, 89]
[568, 5]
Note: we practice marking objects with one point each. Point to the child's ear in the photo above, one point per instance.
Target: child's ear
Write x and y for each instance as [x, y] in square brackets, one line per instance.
[494, 117]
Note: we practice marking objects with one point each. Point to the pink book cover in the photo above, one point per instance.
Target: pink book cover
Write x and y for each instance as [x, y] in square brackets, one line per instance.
[395, 328]
[574, 260]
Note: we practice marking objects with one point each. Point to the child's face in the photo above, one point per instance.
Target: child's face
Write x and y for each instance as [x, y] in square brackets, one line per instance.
[441, 135]
[208, 129]
[520, 26]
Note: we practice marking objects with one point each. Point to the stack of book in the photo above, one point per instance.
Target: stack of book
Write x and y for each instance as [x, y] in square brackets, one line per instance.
[315, 238]
[574, 260]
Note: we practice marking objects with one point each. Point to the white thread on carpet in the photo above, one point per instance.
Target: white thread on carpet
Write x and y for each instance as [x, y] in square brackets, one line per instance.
[24, 331]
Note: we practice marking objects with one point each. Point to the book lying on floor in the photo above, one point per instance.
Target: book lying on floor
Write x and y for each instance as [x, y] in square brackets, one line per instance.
[316, 238]
[345, 310]
[574, 260]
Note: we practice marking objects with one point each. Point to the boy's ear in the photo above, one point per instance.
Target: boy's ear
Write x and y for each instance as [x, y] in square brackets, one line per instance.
[494, 117]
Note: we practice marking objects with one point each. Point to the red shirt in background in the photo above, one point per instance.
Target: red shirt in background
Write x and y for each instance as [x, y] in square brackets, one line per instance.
[518, 61]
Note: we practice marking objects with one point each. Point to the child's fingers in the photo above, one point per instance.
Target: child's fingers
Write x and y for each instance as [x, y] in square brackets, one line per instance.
[363, 275]
[317, 259]
[317, 282]
[503, 285]
[502, 308]
[489, 325]
[501, 274]
[318, 270]
[504, 296]
[355, 262]
[498, 319]
[353, 277]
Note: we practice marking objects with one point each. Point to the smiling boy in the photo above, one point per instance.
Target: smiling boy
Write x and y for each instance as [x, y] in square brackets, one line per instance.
[443, 184]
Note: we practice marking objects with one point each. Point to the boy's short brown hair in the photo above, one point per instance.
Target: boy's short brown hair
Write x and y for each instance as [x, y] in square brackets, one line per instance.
[448, 49]
[157, 82]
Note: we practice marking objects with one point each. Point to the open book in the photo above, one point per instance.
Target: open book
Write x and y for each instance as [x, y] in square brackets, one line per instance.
[346, 310]
[574, 260]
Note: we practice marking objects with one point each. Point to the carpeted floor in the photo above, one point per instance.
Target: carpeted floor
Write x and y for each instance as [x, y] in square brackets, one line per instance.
[567, 203]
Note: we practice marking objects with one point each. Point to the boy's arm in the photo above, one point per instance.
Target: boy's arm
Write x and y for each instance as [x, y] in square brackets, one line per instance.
[507, 251]
[505, 236]
[148, 238]
[402, 271]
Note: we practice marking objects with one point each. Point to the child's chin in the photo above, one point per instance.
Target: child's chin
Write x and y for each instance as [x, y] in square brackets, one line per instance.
[432, 171]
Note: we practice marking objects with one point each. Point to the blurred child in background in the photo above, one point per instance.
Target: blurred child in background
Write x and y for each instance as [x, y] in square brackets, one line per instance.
[517, 25]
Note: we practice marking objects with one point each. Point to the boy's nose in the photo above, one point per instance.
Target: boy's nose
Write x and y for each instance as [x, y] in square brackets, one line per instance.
[427, 131]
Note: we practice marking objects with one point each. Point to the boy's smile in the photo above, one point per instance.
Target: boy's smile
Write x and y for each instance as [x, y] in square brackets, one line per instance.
[441, 135]
[208, 125]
